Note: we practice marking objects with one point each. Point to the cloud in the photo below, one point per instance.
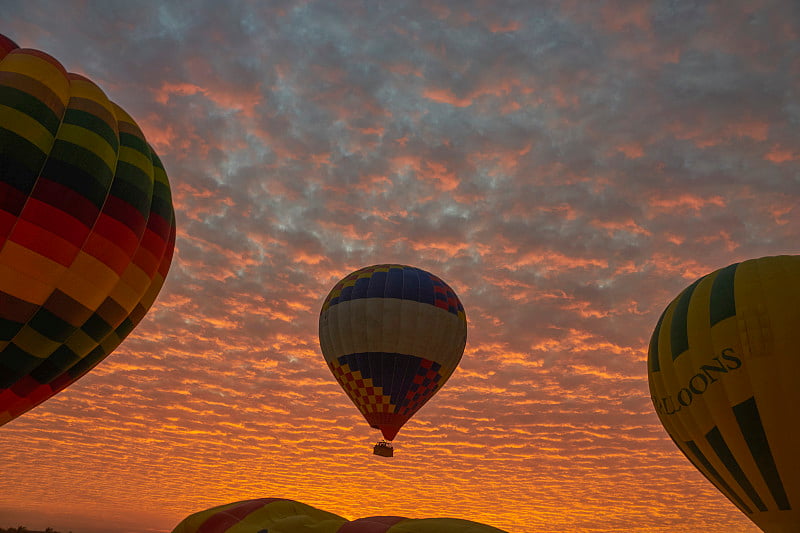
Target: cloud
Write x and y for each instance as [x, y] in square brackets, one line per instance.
[567, 168]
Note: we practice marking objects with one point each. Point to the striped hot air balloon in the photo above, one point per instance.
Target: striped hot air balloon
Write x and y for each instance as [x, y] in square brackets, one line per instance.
[270, 515]
[278, 515]
[724, 372]
[87, 227]
[392, 335]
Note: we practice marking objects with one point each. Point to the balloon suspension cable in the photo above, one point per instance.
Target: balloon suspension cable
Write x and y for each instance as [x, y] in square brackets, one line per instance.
[384, 449]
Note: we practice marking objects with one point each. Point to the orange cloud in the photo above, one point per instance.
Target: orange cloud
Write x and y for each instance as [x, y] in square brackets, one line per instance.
[235, 98]
[708, 131]
[632, 150]
[684, 201]
[551, 261]
[505, 27]
[778, 154]
[613, 226]
[445, 96]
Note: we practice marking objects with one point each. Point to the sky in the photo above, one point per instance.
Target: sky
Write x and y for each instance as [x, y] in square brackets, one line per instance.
[567, 167]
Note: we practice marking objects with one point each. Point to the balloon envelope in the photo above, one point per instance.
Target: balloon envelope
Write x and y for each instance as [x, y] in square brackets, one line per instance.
[392, 335]
[278, 515]
[275, 515]
[87, 227]
[724, 373]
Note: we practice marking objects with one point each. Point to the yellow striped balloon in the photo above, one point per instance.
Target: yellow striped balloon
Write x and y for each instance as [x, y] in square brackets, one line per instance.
[271, 515]
[279, 515]
[87, 227]
[724, 373]
[392, 335]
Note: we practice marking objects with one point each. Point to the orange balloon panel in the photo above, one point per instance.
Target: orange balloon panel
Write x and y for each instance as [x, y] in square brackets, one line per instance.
[724, 372]
[392, 335]
[87, 227]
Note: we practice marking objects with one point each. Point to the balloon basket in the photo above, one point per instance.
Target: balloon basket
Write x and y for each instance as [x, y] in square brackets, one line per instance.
[384, 449]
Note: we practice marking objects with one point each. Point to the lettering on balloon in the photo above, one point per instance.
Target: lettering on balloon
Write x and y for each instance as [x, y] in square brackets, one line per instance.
[699, 383]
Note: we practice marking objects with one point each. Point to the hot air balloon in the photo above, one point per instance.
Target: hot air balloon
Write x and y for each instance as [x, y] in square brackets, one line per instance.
[724, 373]
[273, 515]
[278, 515]
[392, 335]
[87, 227]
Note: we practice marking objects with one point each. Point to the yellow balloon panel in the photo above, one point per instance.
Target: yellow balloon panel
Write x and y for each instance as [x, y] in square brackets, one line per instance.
[724, 369]
[393, 326]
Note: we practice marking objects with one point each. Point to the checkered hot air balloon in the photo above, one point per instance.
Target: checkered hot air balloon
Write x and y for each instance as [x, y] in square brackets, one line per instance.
[392, 335]
[724, 372]
[87, 227]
